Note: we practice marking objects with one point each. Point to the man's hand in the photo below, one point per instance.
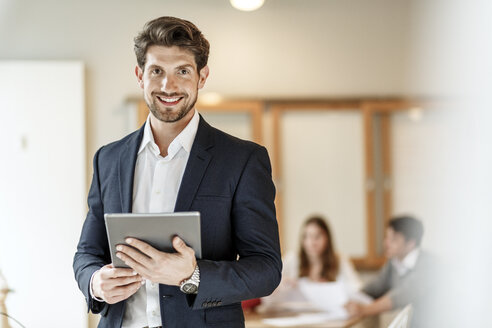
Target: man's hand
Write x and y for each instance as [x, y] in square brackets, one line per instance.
[156, 266]
[354, 309]
[115, 284]
[380, 305]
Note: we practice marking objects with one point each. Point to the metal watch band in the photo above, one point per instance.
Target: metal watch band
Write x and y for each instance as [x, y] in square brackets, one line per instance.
[193, 280]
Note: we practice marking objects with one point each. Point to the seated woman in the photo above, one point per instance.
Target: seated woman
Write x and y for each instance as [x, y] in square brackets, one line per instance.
[316, 268]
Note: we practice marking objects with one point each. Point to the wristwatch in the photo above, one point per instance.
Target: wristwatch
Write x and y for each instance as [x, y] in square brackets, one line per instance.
[190, 285]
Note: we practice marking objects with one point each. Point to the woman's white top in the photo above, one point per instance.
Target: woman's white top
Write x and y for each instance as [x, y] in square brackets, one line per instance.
[294, 290]
[346, 274]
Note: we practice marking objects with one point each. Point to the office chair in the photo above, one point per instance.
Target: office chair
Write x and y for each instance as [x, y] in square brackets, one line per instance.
[402, 319]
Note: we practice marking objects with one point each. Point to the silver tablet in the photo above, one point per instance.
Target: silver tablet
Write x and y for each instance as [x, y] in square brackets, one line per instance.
[157, 230]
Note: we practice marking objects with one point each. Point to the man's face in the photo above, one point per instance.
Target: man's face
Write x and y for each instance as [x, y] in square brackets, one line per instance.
[395, 244]
[170, 81]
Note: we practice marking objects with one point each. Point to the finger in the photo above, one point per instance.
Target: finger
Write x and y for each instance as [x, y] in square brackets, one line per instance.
[142, 247]
[108, 285]
[123, 281]
[128, 289]
[181, 247]
[133, 253]
[122, 293]
[141, 268]
[112, 272]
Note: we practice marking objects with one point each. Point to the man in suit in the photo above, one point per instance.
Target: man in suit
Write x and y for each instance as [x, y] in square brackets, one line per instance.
[406, 276]
[177, 162]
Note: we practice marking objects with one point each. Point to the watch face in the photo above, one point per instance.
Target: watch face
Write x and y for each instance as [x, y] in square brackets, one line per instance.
[189, 288]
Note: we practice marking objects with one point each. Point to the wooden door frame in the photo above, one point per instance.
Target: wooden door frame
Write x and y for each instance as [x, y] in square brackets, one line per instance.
[278, 108]
[368, 108]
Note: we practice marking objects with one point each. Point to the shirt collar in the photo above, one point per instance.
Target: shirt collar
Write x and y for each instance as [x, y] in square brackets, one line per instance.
[187, 136]
[184, 139]
[148, 139]
[408, 263]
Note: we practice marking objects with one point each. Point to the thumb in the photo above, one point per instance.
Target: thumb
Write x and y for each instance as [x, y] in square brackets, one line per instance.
[178, 244]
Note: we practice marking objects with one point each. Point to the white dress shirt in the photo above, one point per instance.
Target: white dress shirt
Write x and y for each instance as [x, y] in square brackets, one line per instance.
[407, 264]
[155, 189]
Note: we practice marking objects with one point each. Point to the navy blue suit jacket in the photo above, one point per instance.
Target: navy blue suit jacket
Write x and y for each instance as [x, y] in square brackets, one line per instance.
[229, 182]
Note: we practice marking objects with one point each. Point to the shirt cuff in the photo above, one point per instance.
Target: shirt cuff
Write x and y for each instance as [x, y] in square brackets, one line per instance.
[90, 289]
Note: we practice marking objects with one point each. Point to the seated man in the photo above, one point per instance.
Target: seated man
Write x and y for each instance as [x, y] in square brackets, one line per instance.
[404, 279]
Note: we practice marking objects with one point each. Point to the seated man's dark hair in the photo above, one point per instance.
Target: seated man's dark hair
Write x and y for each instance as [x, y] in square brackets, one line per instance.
[409, 227]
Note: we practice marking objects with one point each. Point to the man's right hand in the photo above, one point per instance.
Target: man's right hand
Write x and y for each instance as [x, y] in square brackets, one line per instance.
[115, 284]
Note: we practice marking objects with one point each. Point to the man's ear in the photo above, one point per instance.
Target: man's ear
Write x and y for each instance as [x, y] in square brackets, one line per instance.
[203, 77]
[139, 74]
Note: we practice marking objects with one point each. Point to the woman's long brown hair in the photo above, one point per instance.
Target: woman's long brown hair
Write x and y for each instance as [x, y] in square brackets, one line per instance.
[329, 259]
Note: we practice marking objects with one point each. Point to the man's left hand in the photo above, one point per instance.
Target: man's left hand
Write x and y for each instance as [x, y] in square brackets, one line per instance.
[156, 266]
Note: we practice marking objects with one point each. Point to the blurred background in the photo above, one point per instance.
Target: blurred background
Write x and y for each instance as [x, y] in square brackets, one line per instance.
[369, 108]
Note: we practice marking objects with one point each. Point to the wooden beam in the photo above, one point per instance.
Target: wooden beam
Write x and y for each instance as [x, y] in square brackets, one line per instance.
[252, 107]
[387, 166]
[369, 181]
[142, 112]
[315, 105]
[368, 264]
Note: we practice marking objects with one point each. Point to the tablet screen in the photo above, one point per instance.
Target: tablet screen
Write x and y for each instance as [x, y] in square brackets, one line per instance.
[156, 229]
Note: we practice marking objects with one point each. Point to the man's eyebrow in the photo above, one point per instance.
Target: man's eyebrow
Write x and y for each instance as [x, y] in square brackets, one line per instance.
[186, 66]
[153, 66]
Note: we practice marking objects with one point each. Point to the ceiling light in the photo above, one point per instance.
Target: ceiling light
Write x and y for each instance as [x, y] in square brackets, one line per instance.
[247, 5]
[210, 98]
[415, 114]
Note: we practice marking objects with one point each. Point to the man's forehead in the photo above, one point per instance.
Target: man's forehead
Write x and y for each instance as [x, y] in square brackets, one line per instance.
[169, 55]
[392, 232]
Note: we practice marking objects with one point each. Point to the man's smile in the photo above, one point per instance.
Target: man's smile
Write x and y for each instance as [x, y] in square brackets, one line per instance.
[169, 101]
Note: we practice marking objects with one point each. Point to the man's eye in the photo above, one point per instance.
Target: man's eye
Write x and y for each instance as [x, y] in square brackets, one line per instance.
[156, 71]
[183, 72]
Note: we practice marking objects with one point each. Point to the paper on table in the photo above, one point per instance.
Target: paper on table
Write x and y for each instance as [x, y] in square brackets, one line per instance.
[360, 297]
[326, 296]
[304, 319]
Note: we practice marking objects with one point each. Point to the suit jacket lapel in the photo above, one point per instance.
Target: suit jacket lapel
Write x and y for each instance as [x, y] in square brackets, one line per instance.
[127, 161]
[195, 168]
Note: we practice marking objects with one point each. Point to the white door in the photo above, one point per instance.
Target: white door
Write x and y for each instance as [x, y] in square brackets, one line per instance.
[42, 189]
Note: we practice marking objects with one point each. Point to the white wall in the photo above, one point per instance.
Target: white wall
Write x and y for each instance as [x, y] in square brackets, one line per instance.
[323, 174]
[429, 174]
[42, 189]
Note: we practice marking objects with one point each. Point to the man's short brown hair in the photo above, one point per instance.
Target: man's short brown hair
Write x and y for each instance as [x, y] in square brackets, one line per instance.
[171, 31]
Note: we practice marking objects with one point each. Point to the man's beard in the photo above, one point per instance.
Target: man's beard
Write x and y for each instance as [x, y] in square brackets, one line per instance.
[170, 116]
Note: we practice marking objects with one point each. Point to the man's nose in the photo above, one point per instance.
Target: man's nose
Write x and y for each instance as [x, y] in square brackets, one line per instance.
[168, 84]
